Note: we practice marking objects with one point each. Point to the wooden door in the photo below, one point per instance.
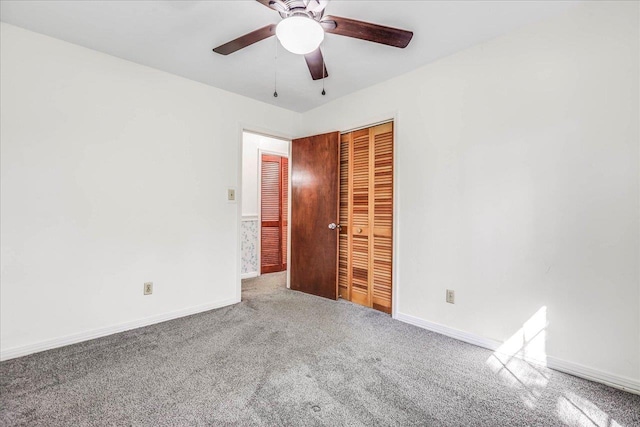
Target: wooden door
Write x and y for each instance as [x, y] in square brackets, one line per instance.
[314, 205]
[381, 214]
[274, 176]
[366, 216]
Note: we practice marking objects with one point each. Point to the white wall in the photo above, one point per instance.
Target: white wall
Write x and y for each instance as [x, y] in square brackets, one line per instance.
[251, 143]
[113, 174]
[518, 185]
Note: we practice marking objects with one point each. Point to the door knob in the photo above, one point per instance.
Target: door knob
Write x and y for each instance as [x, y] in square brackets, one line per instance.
[359, 230]
[333, 226]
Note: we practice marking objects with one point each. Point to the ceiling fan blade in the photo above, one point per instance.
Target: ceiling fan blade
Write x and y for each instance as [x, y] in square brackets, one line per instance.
[316, 65]
[246, 40]
[367, 31]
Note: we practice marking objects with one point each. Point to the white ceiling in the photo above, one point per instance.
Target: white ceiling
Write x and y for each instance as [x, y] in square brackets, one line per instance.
[177, 37]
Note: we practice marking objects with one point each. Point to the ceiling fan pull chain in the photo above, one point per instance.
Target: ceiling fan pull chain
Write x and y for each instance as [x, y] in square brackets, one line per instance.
[275, 77]
[323, 91]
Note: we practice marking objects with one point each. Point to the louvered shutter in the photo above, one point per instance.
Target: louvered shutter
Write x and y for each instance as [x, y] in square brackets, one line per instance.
[271, 230]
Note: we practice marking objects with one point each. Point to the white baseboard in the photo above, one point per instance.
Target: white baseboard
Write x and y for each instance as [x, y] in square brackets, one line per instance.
[612, 380]
[450, 332]
[14, 352]
[249, 275]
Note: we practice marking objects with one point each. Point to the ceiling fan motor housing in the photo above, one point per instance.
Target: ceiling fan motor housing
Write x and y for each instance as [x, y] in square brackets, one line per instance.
[314, 9]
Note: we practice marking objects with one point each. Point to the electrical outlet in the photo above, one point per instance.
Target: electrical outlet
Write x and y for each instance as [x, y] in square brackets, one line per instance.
[231, 195]
[148, 288]
[451, 296]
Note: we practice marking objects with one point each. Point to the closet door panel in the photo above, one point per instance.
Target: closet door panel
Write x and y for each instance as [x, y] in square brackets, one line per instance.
[344, 269]
[359, 223]
[382, 137]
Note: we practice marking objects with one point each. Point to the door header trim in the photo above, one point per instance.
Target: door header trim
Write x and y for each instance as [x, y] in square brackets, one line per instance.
[367, 126]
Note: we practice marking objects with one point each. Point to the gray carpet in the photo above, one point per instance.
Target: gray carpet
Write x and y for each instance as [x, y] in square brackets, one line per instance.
[285, 358]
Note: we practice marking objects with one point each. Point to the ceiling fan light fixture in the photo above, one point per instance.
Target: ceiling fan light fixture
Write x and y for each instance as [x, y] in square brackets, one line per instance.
[300, 34]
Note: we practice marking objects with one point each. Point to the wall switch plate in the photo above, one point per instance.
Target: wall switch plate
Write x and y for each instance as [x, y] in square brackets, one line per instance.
[148, 288]
[231, 194]
[451, 296]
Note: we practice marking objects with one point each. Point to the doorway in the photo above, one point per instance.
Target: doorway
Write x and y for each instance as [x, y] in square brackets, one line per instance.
[264, 213]
[340, 225]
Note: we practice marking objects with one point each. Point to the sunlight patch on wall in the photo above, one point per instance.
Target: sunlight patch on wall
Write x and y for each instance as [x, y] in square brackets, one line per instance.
[529, 342]
[511, 361]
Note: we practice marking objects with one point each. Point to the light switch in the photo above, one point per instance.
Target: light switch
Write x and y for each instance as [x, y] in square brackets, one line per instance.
[231, 194]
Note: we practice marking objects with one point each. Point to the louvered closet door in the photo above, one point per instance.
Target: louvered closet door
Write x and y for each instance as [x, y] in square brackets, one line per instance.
[273, 213]
[344, 247]
[382, 211]
[359, 221]
[366, 216]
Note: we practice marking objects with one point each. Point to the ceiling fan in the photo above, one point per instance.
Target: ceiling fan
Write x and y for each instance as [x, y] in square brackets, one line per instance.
[303, 27]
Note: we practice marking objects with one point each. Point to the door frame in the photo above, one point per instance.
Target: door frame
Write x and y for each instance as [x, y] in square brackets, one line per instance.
[272, 153]
[348, 126]
[269, 133]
